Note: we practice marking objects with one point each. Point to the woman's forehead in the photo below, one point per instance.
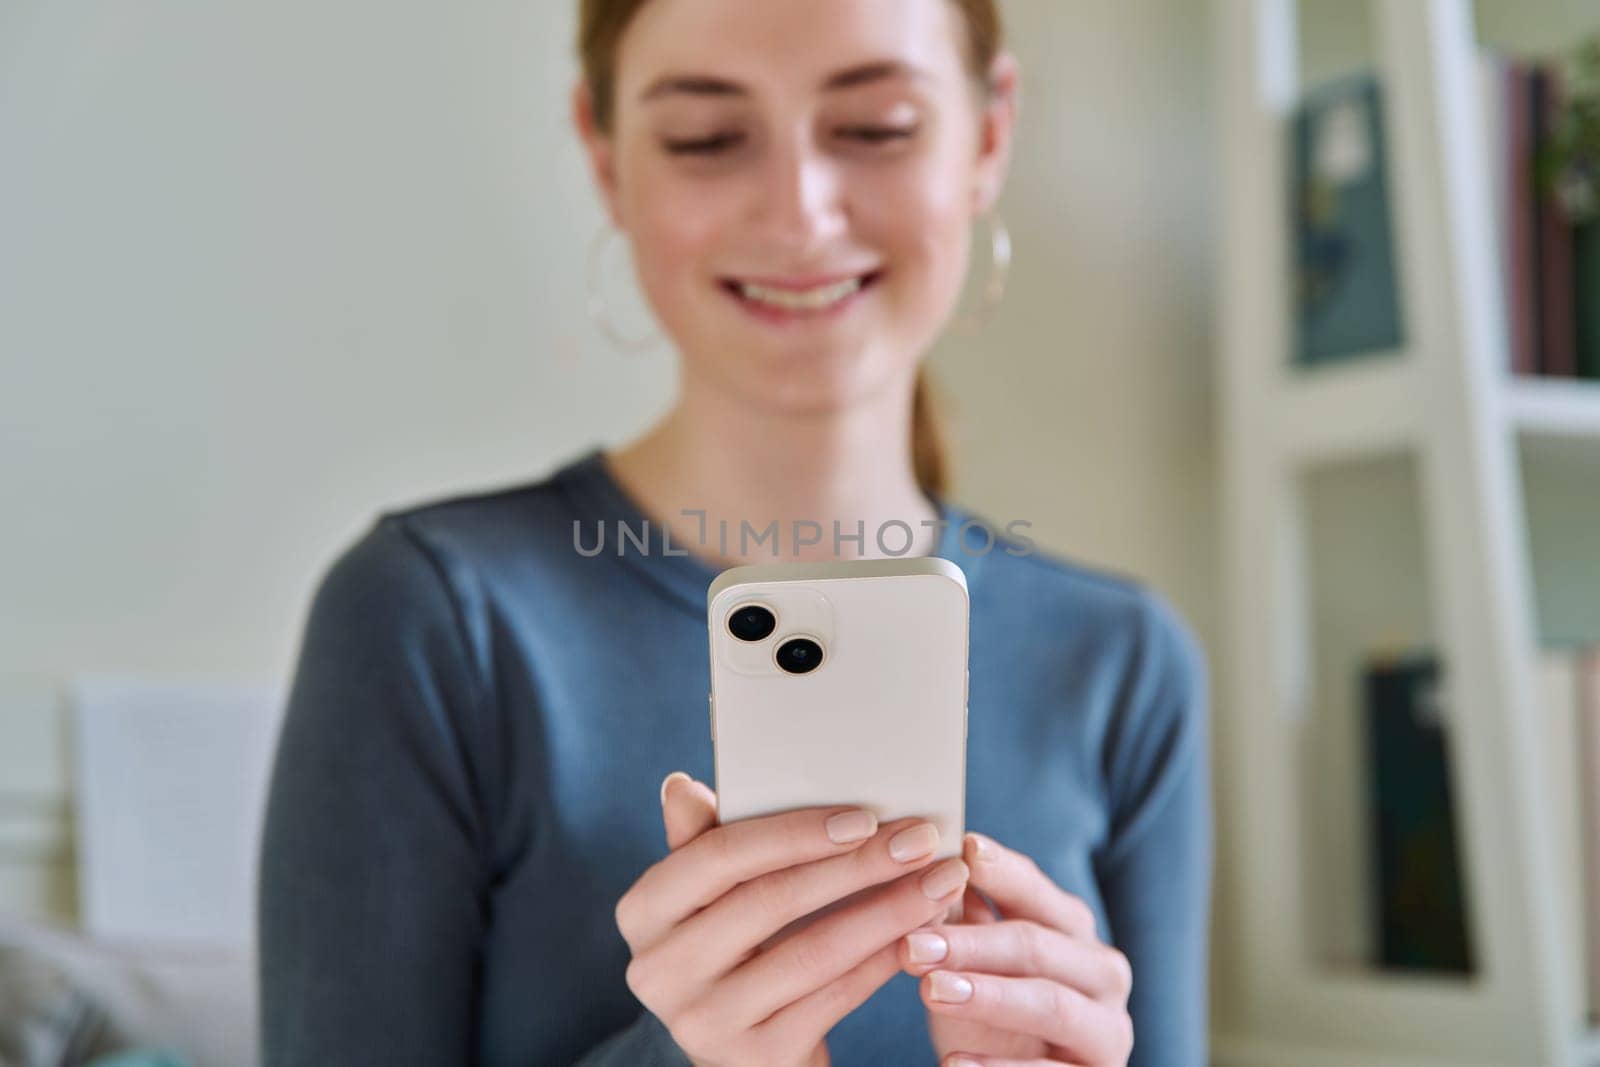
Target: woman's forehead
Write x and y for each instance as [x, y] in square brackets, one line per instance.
[807, 45]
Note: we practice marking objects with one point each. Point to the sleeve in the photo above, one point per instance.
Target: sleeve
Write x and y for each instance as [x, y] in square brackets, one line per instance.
[644, 1043]
[1155, 871]
[373, 889]
[375, 860]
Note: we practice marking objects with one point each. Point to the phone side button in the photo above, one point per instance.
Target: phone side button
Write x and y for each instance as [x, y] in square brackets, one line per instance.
[963, 722]
[711, 710]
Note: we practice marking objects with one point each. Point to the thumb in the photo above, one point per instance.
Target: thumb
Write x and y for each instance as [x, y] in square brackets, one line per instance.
[688, 808]
[975, 907]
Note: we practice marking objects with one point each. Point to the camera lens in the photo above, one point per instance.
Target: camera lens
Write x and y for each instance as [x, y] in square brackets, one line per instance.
[799, 655]
[751, 622]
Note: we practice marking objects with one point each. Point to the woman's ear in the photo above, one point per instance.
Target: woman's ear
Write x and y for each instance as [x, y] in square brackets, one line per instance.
[997, 128]
[598, 147]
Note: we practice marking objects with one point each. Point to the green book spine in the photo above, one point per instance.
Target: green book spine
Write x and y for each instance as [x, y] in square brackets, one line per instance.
[1421, 895]
[1586, 283]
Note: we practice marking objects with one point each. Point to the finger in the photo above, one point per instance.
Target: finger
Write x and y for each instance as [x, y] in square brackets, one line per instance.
[834, 944]
[1021, 948]
[805, 1022]
[1087, 1029]
[765, 910]
[688, 808]
[1021, 890]
[975, 907]
[769, 910]
[699, 872]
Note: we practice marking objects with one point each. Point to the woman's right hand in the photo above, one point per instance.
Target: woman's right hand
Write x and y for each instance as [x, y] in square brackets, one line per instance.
[697, 921]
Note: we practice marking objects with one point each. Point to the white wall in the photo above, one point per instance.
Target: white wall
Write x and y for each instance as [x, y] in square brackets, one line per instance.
[1085, 406]
[270, 267]
[266, 269]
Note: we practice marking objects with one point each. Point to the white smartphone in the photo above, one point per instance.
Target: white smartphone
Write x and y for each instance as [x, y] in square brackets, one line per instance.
[842, 683]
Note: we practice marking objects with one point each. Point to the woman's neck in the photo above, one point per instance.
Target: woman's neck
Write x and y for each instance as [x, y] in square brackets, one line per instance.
[711, 467]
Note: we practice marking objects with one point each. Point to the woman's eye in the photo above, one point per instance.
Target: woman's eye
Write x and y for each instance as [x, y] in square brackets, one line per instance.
[707, 146]
[703, 146]
[879, 134]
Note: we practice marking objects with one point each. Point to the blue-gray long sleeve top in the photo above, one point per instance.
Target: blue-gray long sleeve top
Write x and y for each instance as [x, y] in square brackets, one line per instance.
[479, 721]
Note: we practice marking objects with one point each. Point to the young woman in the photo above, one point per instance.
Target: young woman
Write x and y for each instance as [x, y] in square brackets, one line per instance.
[464, 857]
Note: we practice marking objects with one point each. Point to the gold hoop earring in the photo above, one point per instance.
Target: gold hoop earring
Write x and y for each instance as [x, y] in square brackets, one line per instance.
[596, 303]
[994, 290]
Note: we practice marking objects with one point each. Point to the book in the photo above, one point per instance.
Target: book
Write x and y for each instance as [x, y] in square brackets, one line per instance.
[1586, 289]
[1506, 86]
[1557, 310]
[1420, 889]
[1549, 267]
[1347, 299]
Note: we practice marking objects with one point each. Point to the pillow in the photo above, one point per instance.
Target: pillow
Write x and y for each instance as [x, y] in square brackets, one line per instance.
[45, 1020]
[197, 1004]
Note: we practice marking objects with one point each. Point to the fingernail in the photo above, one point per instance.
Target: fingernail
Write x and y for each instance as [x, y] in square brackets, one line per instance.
[926, 947]
[944, 879]
[668, 779]
[914, 843]
[982, 849]
[850, 826]
[949, 988]
[962, 1061]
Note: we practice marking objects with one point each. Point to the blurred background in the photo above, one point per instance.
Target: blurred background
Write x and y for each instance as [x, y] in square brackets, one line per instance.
[1301, 330]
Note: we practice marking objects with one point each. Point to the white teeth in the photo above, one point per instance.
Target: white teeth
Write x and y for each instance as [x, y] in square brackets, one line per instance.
[809, 300]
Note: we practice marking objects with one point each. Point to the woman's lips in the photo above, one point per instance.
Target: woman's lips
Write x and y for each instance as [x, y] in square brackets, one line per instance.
[798, 283]
[796, 299]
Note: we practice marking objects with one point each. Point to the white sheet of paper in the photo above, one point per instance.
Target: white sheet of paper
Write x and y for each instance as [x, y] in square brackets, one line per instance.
[170, 780]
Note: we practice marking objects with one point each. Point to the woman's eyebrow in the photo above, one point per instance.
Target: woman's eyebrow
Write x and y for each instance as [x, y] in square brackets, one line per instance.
[850, 77]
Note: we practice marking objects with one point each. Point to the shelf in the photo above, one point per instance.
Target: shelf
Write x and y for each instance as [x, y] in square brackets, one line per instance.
[1365, 567]
[1347, 410]
[1336, 412]
[1554, 407]
[1420, 488]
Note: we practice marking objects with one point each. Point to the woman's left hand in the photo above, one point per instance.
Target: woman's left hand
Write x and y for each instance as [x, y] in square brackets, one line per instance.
[1034, 986]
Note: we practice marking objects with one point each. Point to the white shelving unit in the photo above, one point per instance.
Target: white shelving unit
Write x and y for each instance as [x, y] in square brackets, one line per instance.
[1554, 408]
[1447, 407]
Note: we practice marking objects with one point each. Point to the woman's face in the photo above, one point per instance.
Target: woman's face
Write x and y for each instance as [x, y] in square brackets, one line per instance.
[798, 179]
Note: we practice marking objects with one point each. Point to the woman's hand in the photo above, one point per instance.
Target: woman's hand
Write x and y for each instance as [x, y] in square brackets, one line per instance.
[1035, 986]
[700, 923]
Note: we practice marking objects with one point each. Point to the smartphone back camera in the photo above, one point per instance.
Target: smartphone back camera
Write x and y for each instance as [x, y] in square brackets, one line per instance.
[799, 655]
[752, 622]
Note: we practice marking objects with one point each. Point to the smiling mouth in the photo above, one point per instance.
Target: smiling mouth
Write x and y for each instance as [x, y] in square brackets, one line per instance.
[789, 301]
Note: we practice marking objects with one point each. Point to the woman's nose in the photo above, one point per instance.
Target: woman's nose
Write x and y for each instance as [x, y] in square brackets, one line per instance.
[799, 199]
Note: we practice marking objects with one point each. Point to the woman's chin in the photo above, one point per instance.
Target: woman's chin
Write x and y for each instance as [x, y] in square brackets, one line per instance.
[821, 382]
